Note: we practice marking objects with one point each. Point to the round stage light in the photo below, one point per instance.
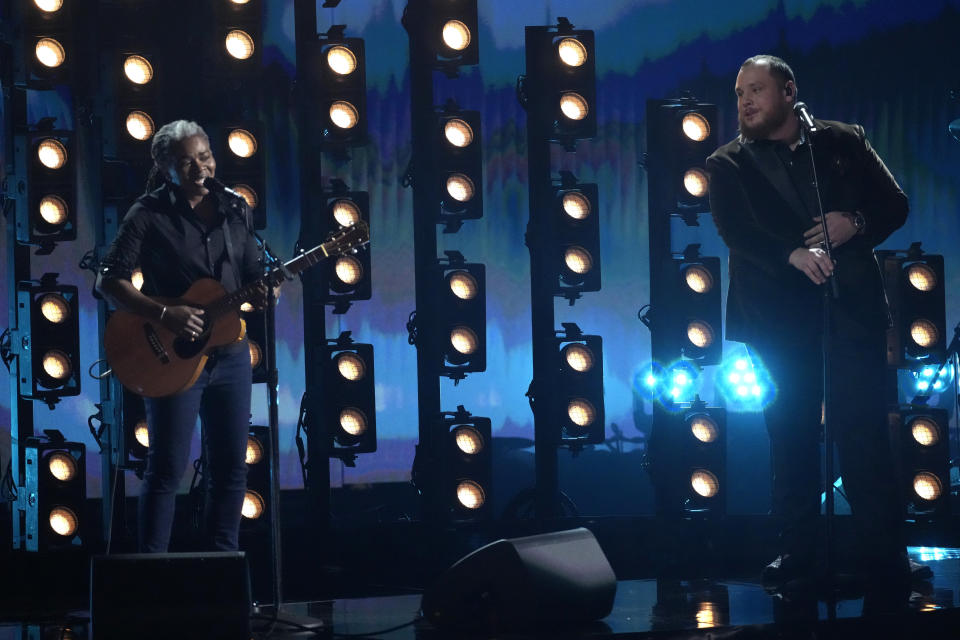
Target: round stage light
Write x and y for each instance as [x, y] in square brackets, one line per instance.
[578, 260]
[141, 433]
[696, 127]
[924, 333]
[922, 277]
[460, 187]
[54, 308]
[581, 412]
[470, 495]
[351, 366]
[48, 6]
[458, 132]
[63, 521]
[353, 422]
[700, 334]
[50, 53]
[456, 35]
[572, 52]
[341, 60]
[468, 440]
[695, 182]
[53, 210]
[463, 340]
[576, 205]
[248, 194]
[256, 353]
[138, 69]
[704, 429]
[925, 431]
[578, 357]
[254, 450]
[704, 483]
[698, 278]
[239, 44]
[253, 505]
[344, 115]
[56, 364]
[346, 212]
[708, 615]
[927, 486]
[462, 284]
[140, 125]
[348, 270]
[574, 106]
[242, 143]
[51, 153]
[136, 278]
[62, 466]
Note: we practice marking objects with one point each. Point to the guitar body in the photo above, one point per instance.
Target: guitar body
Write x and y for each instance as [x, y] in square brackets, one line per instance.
[152, 361]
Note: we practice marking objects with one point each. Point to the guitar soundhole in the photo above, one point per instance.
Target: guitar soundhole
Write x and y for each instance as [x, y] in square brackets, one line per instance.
[187, 349]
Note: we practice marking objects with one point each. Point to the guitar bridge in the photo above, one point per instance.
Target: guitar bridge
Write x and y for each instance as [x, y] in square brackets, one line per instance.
[155, 344]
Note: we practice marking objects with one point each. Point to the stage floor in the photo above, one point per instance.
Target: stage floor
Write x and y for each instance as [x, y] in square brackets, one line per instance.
[658, 608]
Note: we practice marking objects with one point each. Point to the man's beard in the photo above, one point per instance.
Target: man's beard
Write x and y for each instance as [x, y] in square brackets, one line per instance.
[767, 125]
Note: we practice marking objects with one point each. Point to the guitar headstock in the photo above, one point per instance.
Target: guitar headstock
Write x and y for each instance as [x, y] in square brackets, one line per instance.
[347, 239]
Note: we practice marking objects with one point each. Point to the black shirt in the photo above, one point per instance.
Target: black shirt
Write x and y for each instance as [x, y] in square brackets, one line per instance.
[173, 248]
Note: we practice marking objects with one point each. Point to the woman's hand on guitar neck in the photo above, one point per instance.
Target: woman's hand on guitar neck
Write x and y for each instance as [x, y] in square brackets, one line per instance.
[184, 320]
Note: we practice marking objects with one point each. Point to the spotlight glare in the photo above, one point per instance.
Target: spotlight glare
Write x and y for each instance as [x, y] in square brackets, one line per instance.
[254, 450]
[925, 432]
[704, 429]
[463, 285]
[574, 106]
[468, 439]
[463, 340]
[53, 210]
[704, 483]
[927, 486]
[348, 270]
[242, 143]
[695, 182]
[253, 505]
[63, 521]
[922, 277]
[456, 35]
[50, 53]
[352, 421]
[55, 308]
[578, 357]
[458, 132]
[351, 366]
[346, 212]
[248, 194]
[924, 333]
[460, 187]
[578, 260]
[62, 466]
[140, 125]
[576, 205]
[344, 115]
[239, 44]
[698, 278]
[52, 153]
[470, 494]
[141, 434]
[572, 52]
[138, 69]
[56, 364]
[341, 60]
[700, 334]
[740, 364]
[581, 412]
[696, 127]
[48, 6]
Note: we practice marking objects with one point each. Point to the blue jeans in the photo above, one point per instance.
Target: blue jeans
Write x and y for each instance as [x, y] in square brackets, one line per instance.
[221, 397]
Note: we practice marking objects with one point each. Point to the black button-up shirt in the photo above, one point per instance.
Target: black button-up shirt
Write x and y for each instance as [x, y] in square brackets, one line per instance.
[173, 248]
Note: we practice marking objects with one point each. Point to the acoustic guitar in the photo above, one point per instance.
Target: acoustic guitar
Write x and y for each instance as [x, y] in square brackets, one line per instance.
[153, 361]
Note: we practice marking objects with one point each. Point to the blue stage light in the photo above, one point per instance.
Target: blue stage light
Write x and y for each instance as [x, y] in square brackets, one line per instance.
[744, 382]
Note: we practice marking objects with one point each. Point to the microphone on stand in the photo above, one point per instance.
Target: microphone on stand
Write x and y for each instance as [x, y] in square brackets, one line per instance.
[216, 186]
[805, 117]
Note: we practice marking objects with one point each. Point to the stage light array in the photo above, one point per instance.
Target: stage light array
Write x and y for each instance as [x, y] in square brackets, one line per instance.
[348, 276]
[255, 323]
[449, 29]
[138, 105]
[56, 481]
[577, 224]
[468, 465]
[463, 323]
[684, 135]
[338, 89]
[51, 192]
[924, 452]
[256, 500]
[458, 164]
[691, 321]
[50, 42]
[53, 358]
[350, 403]
[241, 165]
[914, 283]
[703, 453]
[564, 81]
[580, 388]
[240, 29]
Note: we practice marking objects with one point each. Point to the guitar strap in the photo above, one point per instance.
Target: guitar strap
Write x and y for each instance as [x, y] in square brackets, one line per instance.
[231, 254]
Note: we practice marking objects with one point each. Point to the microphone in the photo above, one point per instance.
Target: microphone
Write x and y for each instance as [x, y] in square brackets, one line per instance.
[805, 117]
[216, 186]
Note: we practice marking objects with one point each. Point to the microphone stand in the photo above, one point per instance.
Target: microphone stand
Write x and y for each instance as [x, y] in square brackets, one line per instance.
[830, 294]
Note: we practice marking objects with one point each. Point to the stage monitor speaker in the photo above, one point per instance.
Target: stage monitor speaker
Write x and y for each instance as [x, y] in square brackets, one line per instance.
[560, 577]
[170, 595]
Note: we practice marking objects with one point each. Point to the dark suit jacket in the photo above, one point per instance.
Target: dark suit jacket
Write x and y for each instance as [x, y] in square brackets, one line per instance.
[761, 218]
